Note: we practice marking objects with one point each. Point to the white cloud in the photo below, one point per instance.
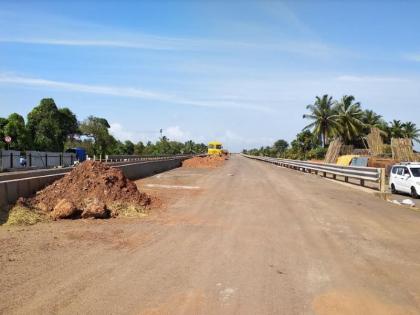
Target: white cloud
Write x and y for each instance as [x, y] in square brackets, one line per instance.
[177, 134]
[132, 92]
[119, 132]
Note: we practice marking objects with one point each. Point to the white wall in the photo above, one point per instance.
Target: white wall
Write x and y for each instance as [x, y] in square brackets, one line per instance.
[5, 159]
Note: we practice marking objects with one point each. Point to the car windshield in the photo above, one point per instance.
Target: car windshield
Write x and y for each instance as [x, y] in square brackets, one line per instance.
[415, 171]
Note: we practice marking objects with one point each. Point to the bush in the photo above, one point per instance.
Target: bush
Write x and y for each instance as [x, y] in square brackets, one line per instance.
[317, 153]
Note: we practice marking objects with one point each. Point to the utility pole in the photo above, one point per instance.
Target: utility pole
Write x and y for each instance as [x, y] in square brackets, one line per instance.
[161, 132]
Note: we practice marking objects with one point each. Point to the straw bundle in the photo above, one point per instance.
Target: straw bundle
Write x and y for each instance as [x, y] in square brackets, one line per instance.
[333, 151]
[402, 150]
[375, 143]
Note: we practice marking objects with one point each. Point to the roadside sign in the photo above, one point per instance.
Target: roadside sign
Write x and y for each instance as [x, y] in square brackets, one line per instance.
[8, 139]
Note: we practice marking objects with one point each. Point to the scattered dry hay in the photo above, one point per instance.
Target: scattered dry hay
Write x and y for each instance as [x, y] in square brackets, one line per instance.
[21, 215]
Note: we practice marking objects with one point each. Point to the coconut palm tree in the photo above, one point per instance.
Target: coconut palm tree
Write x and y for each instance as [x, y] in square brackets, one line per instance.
[349, 118]
[323, 117]
[372, 119]
[396, 129]
[410, 131]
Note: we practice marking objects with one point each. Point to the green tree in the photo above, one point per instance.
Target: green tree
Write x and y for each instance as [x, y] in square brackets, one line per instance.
[129, 147]
[305, 141]
[396, 129]
[97, 129]
[279, 147]
[68, 123]
[49, 126]
[349, 118]
[323, 116]
[189, 146]
[372, 119]
[3, 122]
[411, 131]
[139, 148]
[15, 128]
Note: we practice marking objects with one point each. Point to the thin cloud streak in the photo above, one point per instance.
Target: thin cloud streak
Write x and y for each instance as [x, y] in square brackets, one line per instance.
[92, 35]
[311, 48]
[125, 92]
[364, 79]
[412, 57]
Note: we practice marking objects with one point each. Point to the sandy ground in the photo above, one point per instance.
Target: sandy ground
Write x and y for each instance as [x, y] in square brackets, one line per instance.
[248, 238]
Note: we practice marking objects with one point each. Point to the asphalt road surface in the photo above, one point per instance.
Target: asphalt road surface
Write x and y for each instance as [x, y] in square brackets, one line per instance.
[245, 238]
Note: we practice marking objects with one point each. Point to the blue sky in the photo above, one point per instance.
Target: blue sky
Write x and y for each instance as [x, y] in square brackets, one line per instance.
[240, 72]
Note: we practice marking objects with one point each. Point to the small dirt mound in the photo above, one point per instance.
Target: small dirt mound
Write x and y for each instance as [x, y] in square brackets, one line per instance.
[210, 161]
[91, 190]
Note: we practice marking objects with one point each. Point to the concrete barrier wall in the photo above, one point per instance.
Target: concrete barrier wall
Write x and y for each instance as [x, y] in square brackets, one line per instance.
[33, 173]
[12, 189]
[150, 168]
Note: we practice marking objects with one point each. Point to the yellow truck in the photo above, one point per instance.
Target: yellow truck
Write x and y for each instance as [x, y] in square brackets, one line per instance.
[215, 148]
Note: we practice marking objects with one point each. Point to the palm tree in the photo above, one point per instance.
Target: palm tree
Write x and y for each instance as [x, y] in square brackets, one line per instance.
[372, 119]
[410, 131]
[350, 118]
[396, 129]
[323, 116]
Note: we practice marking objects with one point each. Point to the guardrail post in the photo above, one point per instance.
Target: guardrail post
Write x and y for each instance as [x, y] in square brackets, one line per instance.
[362, 182]
[346, 179]
[382, 180]
[325, 174]
[11, 160]
[334, 176]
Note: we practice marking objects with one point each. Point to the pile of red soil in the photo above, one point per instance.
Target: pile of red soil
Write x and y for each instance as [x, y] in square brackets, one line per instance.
[210, 161]
[91, 189]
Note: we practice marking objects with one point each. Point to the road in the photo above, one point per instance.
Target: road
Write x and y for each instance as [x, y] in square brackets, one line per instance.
[245, 238]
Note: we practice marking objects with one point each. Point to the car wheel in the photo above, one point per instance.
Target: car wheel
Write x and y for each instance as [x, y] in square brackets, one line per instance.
[393, 190]
[414, 193]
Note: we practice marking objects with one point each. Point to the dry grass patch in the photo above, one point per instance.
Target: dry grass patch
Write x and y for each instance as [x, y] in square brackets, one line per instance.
[20, 215]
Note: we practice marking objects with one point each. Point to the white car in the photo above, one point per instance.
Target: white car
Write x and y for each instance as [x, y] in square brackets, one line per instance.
[405, 178]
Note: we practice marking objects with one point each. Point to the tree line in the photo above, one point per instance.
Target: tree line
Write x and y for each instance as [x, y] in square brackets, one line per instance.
[50, 128]
[344, 119]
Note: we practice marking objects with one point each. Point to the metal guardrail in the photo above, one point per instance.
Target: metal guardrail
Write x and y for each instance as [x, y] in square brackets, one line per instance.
[371, 174]
[133, 158]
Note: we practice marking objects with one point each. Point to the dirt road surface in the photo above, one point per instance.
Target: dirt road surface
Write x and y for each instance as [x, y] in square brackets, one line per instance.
[245, 238]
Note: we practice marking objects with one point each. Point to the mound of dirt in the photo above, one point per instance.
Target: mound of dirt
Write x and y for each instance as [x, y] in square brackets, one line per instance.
[90, 190]
[210, 161]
